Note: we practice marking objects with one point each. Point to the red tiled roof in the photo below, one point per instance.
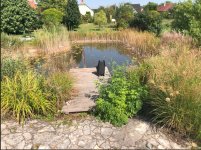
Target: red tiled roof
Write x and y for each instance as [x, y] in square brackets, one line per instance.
[165, 7]
[32, 4]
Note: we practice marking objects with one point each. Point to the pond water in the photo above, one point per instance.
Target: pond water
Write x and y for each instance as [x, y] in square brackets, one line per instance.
[87, 56]
[111, 53]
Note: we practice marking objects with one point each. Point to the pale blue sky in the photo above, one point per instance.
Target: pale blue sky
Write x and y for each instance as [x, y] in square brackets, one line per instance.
[96, 3]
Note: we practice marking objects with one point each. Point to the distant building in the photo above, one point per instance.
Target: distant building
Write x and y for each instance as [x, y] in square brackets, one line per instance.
[166, 7]
[32, 3]
[84, 8]
[137, 7]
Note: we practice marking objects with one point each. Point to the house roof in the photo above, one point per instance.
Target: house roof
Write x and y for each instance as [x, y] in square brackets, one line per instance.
[32, 3]
[137, 7]
[165, 7]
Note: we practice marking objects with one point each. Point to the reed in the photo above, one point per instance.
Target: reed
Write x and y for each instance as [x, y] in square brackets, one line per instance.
[52, 40]
[140, 42]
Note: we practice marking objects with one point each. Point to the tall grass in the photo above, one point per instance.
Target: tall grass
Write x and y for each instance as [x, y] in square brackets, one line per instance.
[139, 42]
[52, 40]
[174, 81]
[23, 96]
[10, 42]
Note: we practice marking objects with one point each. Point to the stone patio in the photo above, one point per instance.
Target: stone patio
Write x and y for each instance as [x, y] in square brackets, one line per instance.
[87, 133]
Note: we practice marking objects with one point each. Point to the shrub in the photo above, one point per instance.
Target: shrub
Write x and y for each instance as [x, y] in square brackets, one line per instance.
[187, 19]
[174, 81]
[119, 99]
[17, 17]
[24, 96]
[52, 17]
[61, 82]
[150, 21]
[100, 18]
[124, 15]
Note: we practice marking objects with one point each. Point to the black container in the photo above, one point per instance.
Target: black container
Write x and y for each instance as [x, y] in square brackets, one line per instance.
[101, 68]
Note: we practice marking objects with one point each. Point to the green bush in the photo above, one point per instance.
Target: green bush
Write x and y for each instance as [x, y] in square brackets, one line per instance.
[120, 98]
[61, 82]
[150, 21]
[187, 19]
[17, 17]
[52, 17]
[100, 18]
[24, 96]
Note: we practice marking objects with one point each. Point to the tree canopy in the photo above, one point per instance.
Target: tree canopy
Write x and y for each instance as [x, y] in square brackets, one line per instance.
[100, 18]
[72, 16]
[187, 18]
[17, 17]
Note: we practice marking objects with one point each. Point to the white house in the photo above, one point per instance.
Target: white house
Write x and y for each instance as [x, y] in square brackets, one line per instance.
[84, 8]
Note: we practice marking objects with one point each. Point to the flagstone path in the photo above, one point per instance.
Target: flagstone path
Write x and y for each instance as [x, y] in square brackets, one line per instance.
[87, 133]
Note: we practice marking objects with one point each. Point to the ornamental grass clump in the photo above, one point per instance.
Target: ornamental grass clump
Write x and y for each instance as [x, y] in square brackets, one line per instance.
[25, 96]
[120, 99]
[174, 82]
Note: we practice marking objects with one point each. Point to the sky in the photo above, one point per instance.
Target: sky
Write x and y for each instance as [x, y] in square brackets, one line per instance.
[93, 4]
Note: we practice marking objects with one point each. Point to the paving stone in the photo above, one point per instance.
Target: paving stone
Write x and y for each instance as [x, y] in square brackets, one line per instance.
[106, 132]
[29, 146]
[21, 145]
[164, 142]
[47, 129]
[27, 136]
[42, 147]
[86, 134]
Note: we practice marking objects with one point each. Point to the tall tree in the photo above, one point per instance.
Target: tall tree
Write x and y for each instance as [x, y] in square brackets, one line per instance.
[17, 17]
[125, 14]
[72, 16]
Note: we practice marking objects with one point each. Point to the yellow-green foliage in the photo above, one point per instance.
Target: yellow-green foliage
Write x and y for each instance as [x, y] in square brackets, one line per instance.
[52, 40]
[174, 81]
[24, 96]
[61, 82]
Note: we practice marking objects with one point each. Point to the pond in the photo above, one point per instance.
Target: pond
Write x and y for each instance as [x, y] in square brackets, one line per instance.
[87, 56]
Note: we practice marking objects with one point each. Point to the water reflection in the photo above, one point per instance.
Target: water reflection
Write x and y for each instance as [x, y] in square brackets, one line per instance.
[86, 55]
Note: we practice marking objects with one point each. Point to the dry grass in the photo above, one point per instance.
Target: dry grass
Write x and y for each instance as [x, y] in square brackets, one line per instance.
[51, 41]
[174, 81]
[139, 42]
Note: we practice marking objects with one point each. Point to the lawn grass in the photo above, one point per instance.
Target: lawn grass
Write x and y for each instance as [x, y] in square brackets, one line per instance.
[91, 27]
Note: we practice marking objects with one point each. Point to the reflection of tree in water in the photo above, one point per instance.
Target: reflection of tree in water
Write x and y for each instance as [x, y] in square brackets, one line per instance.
[61, 63]
[111, 46]
[77, 53]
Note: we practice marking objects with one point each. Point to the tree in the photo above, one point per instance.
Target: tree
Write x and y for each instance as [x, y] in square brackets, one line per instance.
[72, 16]
[52, 17]
[125, 13]
[110, 12]
[58, 4]
[187, 18]
[100, 18]
[150, 21]
[87, 18]
[150, 6]
[17, 17]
